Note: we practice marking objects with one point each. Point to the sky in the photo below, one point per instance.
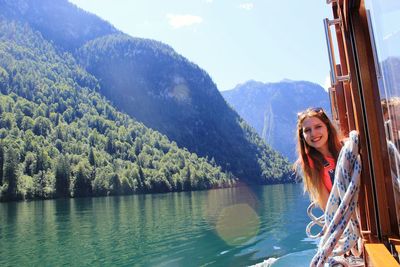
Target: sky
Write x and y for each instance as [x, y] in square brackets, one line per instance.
[233, 40]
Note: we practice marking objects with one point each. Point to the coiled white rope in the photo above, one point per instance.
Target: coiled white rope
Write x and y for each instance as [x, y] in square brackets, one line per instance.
[341, 229]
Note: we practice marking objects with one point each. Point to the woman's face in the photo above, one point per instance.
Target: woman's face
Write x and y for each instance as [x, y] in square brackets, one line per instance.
[315, 133]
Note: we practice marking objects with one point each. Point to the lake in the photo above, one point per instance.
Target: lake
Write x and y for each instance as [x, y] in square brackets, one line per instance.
[223, 227]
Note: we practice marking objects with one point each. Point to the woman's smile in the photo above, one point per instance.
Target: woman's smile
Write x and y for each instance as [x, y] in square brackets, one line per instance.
[316, 139]
[315, 134]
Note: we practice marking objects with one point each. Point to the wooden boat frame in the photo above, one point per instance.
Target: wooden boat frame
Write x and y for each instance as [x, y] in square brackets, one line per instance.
[356, 105]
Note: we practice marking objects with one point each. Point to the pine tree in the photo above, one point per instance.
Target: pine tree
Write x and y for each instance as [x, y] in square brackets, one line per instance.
[11, 173]
[92, 159]
[1, 162]
[115, 184]
[110, 147]
[63, 173]
[187, 184]
[141, 178]
[42, 161]
[83, 185]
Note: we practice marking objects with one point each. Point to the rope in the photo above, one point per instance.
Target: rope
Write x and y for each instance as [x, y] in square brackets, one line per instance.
[341, 229]
[314, 221]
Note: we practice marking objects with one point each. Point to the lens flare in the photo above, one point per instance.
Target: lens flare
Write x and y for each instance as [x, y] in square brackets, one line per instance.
[180, 93]
[237, 224]
[232, 212]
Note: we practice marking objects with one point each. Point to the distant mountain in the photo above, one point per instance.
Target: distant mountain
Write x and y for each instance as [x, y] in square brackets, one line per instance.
[391, 69]
[143, 78]
[271, 108]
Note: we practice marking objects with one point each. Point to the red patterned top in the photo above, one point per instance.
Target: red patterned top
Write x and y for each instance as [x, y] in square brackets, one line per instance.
[328, 172]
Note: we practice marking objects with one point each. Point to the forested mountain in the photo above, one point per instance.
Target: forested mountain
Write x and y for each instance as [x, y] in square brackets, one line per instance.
[61, 135]
[149, 81]
[271, 108]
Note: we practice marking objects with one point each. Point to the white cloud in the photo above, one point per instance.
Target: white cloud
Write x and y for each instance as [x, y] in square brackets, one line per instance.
[327, 82]
[390, 35]
[178, 21]
[209, 1]
[247, 6]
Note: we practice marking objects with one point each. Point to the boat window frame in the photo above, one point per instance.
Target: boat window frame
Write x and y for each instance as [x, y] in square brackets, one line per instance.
[363, 113]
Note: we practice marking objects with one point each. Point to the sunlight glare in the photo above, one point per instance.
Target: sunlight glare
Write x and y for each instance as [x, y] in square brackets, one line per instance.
[232, 212]
[237, 224]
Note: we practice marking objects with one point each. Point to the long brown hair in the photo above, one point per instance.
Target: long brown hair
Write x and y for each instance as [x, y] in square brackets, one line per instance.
[312, 175]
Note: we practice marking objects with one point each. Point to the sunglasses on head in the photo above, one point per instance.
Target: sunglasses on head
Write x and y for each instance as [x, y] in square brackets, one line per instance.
[316, 110]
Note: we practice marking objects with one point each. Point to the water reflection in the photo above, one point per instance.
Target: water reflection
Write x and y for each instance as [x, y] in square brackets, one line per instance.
[226, 227]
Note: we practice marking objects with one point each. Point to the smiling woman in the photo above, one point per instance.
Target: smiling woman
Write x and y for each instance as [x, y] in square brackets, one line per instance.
[318, 147]
[315, 134]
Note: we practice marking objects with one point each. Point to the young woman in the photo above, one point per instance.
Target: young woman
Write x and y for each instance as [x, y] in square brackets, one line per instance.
[318, 146]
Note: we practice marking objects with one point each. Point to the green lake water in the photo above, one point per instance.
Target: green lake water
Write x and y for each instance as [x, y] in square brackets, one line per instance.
[224, 227]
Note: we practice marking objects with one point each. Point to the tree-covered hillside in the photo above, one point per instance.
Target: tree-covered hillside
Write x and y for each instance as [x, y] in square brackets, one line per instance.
[60, 137]
[165, 91]
[148, 81]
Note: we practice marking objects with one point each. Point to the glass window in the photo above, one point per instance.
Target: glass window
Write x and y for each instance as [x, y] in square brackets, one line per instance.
[385, 29]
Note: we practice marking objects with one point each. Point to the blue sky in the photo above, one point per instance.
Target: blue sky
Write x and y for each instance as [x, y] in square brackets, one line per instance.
[233, 40]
